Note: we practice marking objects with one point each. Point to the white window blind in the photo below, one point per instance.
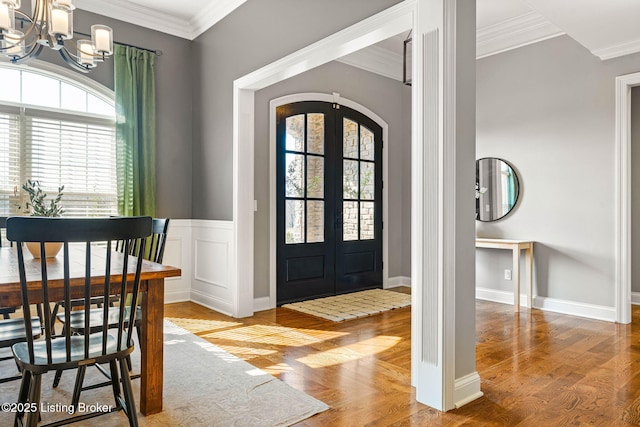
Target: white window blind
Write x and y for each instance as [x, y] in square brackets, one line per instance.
[9, 162]
[63, 141]
[79, 154]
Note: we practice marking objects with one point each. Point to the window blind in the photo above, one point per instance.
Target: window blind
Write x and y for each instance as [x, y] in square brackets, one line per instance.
[10, 136]
[76, 152]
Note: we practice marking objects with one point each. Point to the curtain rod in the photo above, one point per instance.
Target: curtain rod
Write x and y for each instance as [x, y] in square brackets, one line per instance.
[154, 51]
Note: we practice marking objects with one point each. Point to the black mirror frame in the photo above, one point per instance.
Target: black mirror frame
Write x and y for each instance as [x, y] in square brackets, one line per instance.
[517, 195]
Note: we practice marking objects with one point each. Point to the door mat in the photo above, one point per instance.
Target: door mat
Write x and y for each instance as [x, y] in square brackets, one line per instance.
[352, 306]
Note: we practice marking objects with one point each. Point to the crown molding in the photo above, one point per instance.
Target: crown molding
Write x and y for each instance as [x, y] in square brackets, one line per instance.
[376, 60]
[617, 50]
[513, 33]
[211, 14]
[149, 18]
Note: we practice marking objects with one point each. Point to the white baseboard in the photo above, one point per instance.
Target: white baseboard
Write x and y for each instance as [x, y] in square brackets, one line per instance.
[211, 302]
[467, 389]
[591, 311]
[503, 297]
[180, 296]
[635, 298]
[262, 303]
[394, 282]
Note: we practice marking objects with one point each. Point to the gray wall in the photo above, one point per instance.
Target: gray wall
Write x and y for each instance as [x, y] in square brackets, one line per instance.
[549, 109]
[173, 103]
[635, 189]
[387, 98]
[256, 34]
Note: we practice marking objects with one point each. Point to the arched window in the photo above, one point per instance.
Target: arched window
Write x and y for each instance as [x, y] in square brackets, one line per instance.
[59, 130]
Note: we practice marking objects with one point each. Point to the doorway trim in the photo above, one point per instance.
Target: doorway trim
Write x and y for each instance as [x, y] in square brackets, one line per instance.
[273, 217]
[624, 84]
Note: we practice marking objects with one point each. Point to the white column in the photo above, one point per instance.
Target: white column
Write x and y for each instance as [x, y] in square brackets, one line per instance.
[443, 204]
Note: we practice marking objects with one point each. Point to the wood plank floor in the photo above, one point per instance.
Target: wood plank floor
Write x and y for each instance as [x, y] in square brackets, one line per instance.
[537, 368]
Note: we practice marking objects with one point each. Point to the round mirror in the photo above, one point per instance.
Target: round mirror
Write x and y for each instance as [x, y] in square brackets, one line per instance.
[497, 189]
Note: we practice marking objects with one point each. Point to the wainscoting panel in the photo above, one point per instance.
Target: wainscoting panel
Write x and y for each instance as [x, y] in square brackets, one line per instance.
[177, 252]
[212, 250]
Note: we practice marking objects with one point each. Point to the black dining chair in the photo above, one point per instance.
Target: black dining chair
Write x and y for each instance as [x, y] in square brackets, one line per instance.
[152, 249]
[110, 343]
[13, 331]
[5, 312]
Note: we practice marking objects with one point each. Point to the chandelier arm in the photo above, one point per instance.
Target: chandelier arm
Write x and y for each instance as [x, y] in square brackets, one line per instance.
[69, 59]
[33, 53]
[32, 24]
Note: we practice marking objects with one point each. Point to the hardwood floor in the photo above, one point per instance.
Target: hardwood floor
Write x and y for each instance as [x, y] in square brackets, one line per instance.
[537, 368]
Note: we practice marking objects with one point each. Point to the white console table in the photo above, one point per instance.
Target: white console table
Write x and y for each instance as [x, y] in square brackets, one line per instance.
[515, 246]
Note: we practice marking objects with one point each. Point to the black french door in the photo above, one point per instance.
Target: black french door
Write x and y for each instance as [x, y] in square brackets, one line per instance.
[329, 201]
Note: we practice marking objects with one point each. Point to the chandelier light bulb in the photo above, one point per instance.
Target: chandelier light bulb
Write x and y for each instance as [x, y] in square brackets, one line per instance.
[7, 14]
[13, 43]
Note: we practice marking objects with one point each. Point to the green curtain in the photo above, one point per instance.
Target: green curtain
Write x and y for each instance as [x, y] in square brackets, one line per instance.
[135, 95]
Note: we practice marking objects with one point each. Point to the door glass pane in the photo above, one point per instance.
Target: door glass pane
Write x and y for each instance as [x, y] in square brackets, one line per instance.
[350, 221]
[350, 139]
[295, 133]
[294, 221]
[315, 177]
[366, 144]
[367, 180]
[367, 216]
[315, 133]
[350, 179]
[294, 175]
[315, 221]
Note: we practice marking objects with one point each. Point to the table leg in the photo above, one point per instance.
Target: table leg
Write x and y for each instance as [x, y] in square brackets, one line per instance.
[151, 350]
[516, 279]
[529, 256]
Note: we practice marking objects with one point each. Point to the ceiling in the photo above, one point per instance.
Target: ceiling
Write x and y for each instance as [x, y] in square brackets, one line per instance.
[608, 28]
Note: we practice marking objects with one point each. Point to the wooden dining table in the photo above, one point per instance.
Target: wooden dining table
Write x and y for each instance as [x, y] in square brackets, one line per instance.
[151, 287]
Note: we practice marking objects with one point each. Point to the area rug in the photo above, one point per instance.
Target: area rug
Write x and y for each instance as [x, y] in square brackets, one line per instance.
[352, 306]
[203, 386]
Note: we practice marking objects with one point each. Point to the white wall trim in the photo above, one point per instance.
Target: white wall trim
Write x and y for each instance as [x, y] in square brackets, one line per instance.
[467, 389]
[262, 303]
[187, 28]
[212, 302]
[624, 84]
[614, 51]
[376, 60]
[132, 13]
[495, 295]
[513, 33]
[397, 281]
[273, 217]
[591, 311]
[635, 298]
[177, 253]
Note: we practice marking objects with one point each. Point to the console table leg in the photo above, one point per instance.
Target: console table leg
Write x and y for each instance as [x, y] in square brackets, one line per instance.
[516, 279]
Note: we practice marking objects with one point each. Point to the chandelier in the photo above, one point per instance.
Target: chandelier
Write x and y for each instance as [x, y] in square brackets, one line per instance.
[22, 37]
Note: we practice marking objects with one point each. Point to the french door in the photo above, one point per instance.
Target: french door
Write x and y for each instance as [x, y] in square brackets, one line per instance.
[329, 201]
